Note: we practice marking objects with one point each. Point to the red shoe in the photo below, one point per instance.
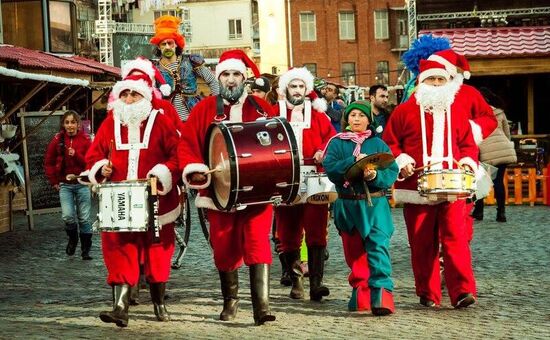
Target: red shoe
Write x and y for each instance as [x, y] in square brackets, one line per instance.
[360, 299]
[382, 302]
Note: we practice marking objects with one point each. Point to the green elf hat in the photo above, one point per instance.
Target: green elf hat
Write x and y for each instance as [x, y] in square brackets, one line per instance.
[361, 105]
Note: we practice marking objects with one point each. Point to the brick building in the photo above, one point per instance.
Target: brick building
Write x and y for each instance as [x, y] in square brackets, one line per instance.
[349, 42]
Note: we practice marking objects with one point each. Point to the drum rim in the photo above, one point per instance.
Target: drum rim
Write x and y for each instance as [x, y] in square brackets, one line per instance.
[233, 165]
[296, 180]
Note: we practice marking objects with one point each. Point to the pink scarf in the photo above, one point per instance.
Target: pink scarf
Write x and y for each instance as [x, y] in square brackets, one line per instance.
[357, 137]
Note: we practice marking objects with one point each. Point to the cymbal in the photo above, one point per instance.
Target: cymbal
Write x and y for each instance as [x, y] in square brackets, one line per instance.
[380, 160]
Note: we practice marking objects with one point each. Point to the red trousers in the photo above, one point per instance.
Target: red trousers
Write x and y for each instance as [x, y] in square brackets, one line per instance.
[356, 258]
[427, 226]
[241, 236]
[469, 220]
[291, 221]
[124, 251]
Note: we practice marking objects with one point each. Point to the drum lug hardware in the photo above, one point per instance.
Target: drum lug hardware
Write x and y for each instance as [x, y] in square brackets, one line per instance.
[271, 125]
[236, 128]
[280, 151]
[246, 188]
[264, 138]
[283, 185]
[246, 155]
[277, 201]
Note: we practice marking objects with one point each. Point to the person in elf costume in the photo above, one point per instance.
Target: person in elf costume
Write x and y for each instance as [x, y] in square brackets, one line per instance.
[362, 212]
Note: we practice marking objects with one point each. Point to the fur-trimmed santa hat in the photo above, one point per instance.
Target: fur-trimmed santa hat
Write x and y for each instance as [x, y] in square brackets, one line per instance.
[166, 27]
[145, 66]
[430, 68]
[452, 61]
[236, 60]
[304, 75]
[137, 82]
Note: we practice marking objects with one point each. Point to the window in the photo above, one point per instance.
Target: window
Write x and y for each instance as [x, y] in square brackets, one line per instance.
[235, 29]
[171, 12]
[348, 73]
[347, 25]
[312, 68]
[307, 27]
[382, 72]
[381, 30]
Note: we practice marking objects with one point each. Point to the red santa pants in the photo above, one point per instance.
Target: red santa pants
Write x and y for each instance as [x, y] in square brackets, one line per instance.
[291, 221]
[469, 220]
[124, 251]
[424, 224]
[241, 236]
[356, 258]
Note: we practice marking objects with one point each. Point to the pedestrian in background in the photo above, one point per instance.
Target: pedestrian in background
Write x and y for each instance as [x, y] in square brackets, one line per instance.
[260, 87]
[65, 156]
[497, 150]
[378, 96]
[362, 212]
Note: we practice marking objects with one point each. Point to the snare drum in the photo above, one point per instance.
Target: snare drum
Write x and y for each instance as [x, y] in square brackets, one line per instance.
[123, 207]
[257, 163]
[450, 184]
[320, 190]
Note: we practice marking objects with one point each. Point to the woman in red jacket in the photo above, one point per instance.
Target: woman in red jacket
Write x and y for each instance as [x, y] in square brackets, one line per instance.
[64, 156]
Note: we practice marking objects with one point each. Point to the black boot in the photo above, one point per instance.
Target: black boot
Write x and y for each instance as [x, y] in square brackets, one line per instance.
[316, 261]
[72, 232]
[86, 245]
[119, 314]
[134, 295]
[477, 213]
[157, 297]
[230, 290]
[259, 291]
[285, 275]
[296, 274]
[501, 216]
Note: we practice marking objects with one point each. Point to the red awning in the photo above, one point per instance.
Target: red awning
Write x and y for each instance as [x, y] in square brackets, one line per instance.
[23, 58]
[497, 41]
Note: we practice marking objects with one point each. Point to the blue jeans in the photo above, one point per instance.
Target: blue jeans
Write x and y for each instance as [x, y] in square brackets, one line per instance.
[76, 203]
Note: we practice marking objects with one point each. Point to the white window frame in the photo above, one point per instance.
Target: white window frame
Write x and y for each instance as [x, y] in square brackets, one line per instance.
[236, 35]
[346, 77]
[381, 24]
[308, 29]
[346, 25]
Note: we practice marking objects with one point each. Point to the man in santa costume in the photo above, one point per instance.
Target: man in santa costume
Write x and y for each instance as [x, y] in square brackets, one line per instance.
[179, 70]
[480, 116]
[417, 134]
[135, 142]
[313, 130]
[240, 235]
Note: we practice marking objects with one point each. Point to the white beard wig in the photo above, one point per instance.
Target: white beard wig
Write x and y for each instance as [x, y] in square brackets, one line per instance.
[438, 98]
[131, 114]
[233, 94]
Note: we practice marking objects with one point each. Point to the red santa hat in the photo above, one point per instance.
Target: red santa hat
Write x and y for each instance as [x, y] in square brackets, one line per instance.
[304, 75]
[138, 82]
[236, 60]
[144, 65]
[452, 61]
[429, 68]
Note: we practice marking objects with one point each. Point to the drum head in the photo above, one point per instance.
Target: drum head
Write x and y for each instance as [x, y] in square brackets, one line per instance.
[219, 159]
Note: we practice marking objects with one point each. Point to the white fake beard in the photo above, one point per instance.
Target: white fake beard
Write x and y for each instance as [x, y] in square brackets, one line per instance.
[131, 114]
[231, 94]
[437, 98]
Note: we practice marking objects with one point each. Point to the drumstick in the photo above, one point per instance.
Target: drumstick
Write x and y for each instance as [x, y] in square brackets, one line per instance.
[153, 186]
[426, 166]
[216, 169]
[71, 177]
[109, 156]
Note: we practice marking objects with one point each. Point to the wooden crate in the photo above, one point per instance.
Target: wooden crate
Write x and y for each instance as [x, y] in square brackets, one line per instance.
[523, 185]
[18, 202]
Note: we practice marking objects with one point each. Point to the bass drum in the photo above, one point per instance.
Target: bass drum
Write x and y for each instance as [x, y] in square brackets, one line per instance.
[255, 162]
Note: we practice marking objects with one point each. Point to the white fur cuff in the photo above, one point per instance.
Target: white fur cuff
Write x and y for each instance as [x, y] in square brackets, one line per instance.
[192, 168]
[476, 131]
[95, 168]
[84, 179]
[164, 175]
[404, 159]
[470, 162]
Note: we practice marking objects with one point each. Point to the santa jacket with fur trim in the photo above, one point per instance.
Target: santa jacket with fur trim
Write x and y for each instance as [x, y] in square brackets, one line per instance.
[157, 157]
[482, 118]
[317, 136]
[192, 148]
[403, 135]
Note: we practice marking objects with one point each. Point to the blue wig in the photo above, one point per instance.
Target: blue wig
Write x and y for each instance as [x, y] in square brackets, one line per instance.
[422, 48]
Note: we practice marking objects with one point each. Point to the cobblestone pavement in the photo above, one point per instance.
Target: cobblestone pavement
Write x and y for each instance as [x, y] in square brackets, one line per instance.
[48, 295]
